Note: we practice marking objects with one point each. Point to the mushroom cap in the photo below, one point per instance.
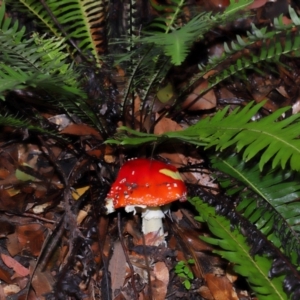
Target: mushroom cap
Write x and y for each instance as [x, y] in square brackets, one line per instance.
[144, 182]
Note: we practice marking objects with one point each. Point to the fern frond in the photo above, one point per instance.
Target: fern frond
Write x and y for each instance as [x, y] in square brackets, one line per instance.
[272, 205]
[41, 63]
[35, 62]
[15, 122]
[236, 250]
[167, 21]
[77, 19]
[272, 49]
[273, 140]
[177, 42]
[145, 68]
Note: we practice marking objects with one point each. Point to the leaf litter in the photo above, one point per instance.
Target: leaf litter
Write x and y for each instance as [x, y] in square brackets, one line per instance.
[56, 241]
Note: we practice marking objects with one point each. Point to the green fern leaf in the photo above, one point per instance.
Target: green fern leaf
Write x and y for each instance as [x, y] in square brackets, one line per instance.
[271, 139]
[277, 140]
[12, 121]
[36, 62]
[176, 42]
[276, 212]
[271, 51]
[237, 251]
[85, 29]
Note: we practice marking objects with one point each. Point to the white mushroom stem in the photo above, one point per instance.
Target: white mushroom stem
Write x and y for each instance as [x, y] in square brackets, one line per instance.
[152, 220]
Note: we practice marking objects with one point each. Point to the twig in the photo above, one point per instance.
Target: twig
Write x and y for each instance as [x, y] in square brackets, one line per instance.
[127, 257]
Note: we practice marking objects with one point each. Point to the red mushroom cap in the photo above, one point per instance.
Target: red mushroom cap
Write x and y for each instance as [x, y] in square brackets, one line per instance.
[147, 182]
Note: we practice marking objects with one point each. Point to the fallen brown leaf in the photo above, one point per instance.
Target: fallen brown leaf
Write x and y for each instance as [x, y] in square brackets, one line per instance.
[117, 267]
[165, 125]
[159, 290]
[81, 130]
[207, 101]
[42, 281]
[28, 237]
[5, 274]
[15, 265]
[10, 289]
[161, 272]
[220, 287]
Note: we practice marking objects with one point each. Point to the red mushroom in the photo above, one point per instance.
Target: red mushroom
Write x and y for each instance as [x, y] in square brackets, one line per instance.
[148, 185]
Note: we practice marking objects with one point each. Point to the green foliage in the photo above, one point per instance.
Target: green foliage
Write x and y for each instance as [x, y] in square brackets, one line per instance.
[268, 200]
[59, 16]
[273, 47]
[162, 44]
[267, 137]
[42, 64]
[183, 270]
[234, 248]
[35, 62]
[12, 121]
[145, 69]
[176, 42]
[267, 197]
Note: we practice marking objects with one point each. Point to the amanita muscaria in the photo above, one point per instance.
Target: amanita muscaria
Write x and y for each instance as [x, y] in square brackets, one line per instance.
[148, 185]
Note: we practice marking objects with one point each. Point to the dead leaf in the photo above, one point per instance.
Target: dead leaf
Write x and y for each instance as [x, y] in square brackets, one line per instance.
[82, 214]
[219, 3]
[220, 287]
[38, 209]
[29, 237]
[165, 125]
[11, 289]
[165, 93]
[159, 290]
[77, 193]
[207, 101]
[191, 238]
[4, 173]
[139, 266]
[117, 267]
[32, 236]
[231, 274]
[6, 228]
[154, 239]
[81, 130]
[257, 4]
[161, 272]
[205, 293]
[62, 121]
[5, 273]
[2, 294]
[13, 245]
[42, 281]
[131, 228]
[15, 265]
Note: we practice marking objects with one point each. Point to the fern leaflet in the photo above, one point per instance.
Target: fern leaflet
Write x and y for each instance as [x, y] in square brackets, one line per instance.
[236, 250]
[274, 210]
[271, 139]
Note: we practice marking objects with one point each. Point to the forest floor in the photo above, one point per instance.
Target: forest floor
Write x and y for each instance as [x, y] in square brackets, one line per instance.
[56, 241]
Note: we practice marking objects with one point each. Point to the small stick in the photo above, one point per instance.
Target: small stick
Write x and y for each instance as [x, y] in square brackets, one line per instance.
[127, 257]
